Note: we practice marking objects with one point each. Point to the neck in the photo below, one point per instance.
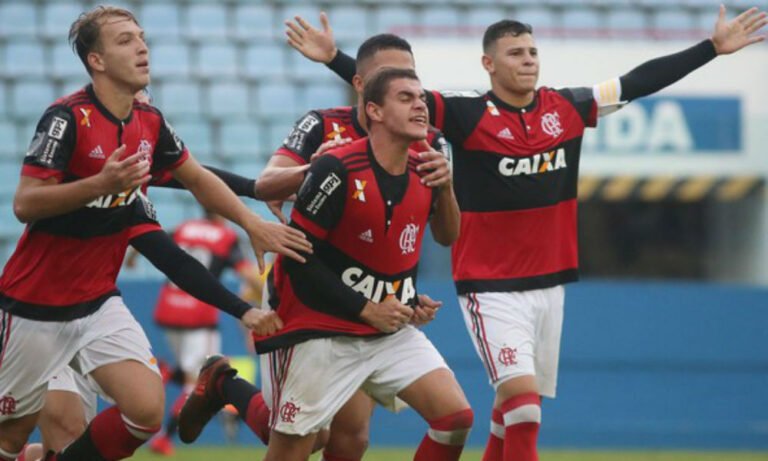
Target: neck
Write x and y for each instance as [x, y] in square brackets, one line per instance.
[116, 99]
[390, 151]
[361, 118]
[514, 99]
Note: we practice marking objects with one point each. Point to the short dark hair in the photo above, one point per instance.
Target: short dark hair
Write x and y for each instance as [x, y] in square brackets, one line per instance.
[376, 88]
[85, 31]
[378, 43]
[503, 28]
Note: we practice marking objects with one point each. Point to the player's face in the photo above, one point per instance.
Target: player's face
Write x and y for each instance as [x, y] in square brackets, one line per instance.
[405, 112]
[124, 56]
[513, 63]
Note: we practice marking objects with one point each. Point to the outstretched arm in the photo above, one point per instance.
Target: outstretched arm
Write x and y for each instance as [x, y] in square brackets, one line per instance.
[240, 185]
[320, 46]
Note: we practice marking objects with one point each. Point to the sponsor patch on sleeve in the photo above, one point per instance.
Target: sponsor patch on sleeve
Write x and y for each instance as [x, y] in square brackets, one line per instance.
[58, 128]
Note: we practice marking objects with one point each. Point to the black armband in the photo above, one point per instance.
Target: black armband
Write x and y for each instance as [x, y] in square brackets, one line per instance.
[187, 272]
[659, 73]
[344, 66]
[240, 185]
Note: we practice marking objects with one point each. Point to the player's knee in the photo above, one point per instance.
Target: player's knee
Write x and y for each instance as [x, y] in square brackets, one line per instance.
[145, 412]
[350, 441]
[62, 429]
[452, 429]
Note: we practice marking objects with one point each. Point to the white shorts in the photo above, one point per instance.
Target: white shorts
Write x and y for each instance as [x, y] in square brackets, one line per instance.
[70, 381]
[305, 385]
[36, 351]
[517, 334]
[191, 347]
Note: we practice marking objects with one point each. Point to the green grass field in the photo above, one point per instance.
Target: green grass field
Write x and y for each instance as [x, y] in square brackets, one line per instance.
[253, 454]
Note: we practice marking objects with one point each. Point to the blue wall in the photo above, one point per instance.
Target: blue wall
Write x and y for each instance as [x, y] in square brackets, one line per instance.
[643, 365]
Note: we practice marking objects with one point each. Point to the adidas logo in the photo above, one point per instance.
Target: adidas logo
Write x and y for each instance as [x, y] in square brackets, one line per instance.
[366, 236]
[97, 153]
[505, 134]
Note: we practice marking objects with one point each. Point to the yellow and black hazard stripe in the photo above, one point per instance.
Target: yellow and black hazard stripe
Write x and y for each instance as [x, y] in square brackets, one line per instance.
[668, 188]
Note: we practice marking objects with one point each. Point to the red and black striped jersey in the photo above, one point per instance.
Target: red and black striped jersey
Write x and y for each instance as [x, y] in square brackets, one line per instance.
[368, 225]
[65, 266]
[216, 246]
[319, 126]
[515, 178]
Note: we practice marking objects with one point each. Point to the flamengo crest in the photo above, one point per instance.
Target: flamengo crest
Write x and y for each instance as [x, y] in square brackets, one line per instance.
[550, 123]
[408, 238]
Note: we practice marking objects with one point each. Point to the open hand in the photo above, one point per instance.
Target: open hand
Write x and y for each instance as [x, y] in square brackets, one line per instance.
[731, 36]
[317, 45]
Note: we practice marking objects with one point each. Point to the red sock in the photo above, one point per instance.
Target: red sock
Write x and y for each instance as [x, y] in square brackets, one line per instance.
[522, 418]
[494, 449]
[257, 418]
[329, 457]
[114, 437]
[446, 437]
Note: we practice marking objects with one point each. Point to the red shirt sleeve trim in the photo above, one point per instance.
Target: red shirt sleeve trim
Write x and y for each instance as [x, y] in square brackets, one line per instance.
[41, 173]
[439, 110]
[292, 155]
[310, 226]
[141, 229]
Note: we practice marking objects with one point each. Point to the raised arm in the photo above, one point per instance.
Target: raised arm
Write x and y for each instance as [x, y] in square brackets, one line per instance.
[320, 46]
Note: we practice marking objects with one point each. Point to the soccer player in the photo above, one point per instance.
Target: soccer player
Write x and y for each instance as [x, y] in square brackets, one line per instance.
[346, 312]
[516, 154]
[82, 186]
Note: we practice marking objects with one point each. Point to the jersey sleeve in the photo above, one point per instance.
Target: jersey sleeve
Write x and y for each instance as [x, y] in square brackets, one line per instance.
[304, 139]
[52, 145]
[436, 105]
[170, 151]
[321, 198]
[583, 100]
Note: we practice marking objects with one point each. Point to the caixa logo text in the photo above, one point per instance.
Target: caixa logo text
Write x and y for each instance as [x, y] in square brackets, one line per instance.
[538, 163]
[116, 200]
[376, 290]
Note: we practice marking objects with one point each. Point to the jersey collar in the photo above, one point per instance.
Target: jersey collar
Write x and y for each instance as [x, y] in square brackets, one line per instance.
[508, 107]
[104, 111]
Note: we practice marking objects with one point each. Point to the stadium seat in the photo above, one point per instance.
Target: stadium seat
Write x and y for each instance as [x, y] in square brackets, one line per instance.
[266, 60]
[240, 139]
[160, 20]
[169, 60]
[277, 130]
[30, 99]
[389, 18]
[256, 22]
[250, 166]
[349, 22]
[304, 69]
[72, 84]
[215, 61]
[226, 100]
[583, 19]
[277, 99]
[66, 63]
[331, 95]
[673, 20]
[196, 135]
[9, 148]
[18, 19]
[622, 19]
[542, 19]
[179, 99]
[4, 110]
[441, 18]
[57, 19]
[480, 18]
[206, 21]
[24, 60]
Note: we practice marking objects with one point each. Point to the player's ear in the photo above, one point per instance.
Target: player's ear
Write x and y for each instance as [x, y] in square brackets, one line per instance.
[95, 62]
[373, 112]
[487, 62]
[357, 83]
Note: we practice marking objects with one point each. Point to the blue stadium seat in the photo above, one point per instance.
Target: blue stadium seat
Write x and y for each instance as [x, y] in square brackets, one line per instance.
[266, 60]
[169, 60]
[277, 130]
[226, 100]
[57, 19]
[179, 99]
[206, 21]
[322, 96]
[542, 19]
[4, 110]
[10, 170]
[196, 135]
[626, 19]
[18, 19]
[480, 18]
[390, 18]
[240, 139]
[250, 166]
[440, 17]
[307, 11]
[73, 84]
[216, 61]
[277, 99]
[66, 63]
[24, 59]
[160, 20]
[673, 20]
[30, 99]
[9, 146]
[303, 68]
[582, 19]
[256, 22]
[349, 22]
